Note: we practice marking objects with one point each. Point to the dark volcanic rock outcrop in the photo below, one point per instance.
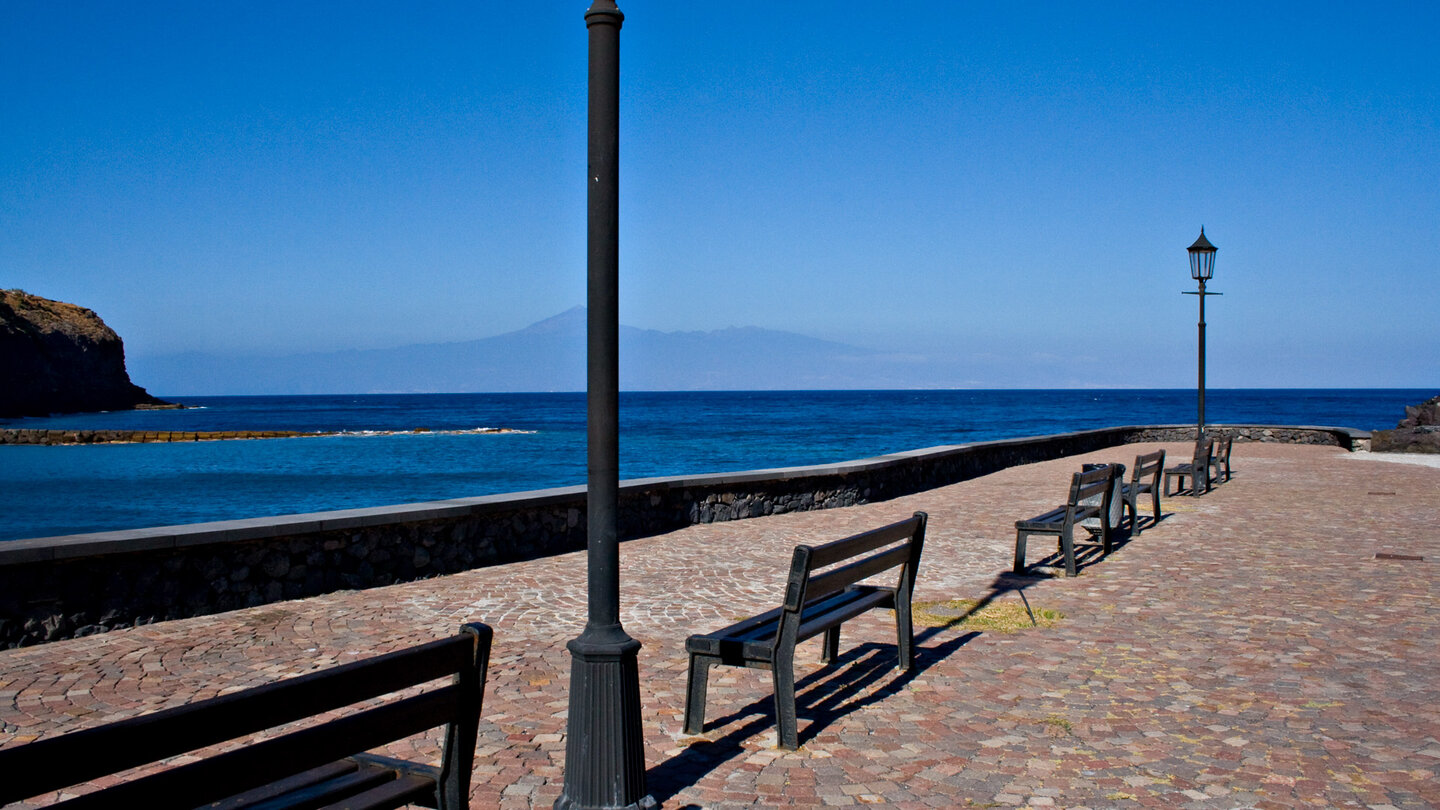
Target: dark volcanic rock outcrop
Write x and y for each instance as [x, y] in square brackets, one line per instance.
[1418, 432]
[60, 358]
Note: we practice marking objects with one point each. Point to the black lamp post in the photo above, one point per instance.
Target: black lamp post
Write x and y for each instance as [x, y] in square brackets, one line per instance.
[1202, 267]
[604, 746]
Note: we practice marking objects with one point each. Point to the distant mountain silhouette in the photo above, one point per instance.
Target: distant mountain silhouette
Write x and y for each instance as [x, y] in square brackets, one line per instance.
[545, 356]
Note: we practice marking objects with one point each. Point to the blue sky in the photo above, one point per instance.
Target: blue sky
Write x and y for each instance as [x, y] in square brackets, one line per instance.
[999, 184]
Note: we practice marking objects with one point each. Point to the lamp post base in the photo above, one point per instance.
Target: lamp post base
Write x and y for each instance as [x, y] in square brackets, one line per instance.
[604, 745]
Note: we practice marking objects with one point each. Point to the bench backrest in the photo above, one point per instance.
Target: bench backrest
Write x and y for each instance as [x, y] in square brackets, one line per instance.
[1148, 466]
[1091, 485]
[1222, 454]
[1200, 464]
[51, 764]
[899, 546]
[1204, 451]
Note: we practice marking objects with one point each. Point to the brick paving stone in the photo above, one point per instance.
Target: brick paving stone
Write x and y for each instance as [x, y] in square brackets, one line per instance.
[1250, 650]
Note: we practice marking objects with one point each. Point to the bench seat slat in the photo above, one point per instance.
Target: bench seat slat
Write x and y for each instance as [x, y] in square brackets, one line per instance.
[255, 799]
[750, 640]
[408, 789]
[227, 774]
[1053, 517]
[753, 627]
[70, 759]
[759, 637]
[319, 794]
[857, 601]
[755, 642]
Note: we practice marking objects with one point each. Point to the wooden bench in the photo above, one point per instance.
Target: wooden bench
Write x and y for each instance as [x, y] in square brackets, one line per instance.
[1220, 460]
[1144, 478]
[815, 602]
[1094, 486]
[317, 765]
[1197, 469]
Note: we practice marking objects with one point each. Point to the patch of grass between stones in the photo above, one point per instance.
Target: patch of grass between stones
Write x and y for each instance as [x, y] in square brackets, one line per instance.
[1006, 616]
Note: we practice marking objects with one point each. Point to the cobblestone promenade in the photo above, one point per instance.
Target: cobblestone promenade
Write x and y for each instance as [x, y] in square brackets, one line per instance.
[1250, 650]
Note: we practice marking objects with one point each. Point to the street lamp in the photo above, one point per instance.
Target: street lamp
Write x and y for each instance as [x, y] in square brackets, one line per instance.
[604, 745]
[1202, 267]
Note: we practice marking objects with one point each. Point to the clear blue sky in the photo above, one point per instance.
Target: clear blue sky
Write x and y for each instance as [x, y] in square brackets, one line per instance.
[1001, 183]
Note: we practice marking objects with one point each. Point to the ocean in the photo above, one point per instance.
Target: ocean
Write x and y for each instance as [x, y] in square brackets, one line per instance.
[48, 491]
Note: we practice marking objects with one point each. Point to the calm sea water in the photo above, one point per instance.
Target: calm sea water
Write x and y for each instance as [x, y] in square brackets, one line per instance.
[62, 490]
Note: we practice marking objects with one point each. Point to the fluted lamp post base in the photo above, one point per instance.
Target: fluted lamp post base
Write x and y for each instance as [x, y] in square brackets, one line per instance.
[604, 752]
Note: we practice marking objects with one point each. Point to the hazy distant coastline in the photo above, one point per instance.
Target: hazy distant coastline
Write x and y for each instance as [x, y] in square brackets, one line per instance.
[549, 356]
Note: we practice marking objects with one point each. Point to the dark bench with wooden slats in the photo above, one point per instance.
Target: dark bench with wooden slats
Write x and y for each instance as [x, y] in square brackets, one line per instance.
[1094, 486]
[1145, 478]
[316, 766]
[1197, 469]
[1220, 460]
[816, 602]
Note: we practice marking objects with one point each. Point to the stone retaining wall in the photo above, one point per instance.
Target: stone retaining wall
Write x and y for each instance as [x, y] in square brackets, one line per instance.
[59, 587]
[1347, 438]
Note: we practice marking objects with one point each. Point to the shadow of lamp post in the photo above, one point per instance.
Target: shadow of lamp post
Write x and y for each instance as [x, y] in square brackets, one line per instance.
[1202, 267]
[604, 745]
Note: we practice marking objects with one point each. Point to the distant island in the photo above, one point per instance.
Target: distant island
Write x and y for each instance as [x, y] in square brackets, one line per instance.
[61, 358]
[550, 356]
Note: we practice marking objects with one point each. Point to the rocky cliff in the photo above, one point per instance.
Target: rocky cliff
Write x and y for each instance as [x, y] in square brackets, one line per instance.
[1418, 432]
[60, 358]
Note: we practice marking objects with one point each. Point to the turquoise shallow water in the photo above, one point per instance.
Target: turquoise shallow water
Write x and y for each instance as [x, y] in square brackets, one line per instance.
[62, 490]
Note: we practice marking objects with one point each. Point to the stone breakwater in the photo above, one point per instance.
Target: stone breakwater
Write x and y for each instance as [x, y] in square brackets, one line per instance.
[53, 437]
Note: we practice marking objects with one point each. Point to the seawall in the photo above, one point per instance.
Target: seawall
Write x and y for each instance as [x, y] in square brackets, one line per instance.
[59, 587]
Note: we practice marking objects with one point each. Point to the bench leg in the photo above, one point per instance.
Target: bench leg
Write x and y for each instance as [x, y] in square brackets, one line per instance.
[1067, 548]
[831, 647]
[1020, 551]
[695, 693]
[904, 634]
[1155, 505]
[782, 673]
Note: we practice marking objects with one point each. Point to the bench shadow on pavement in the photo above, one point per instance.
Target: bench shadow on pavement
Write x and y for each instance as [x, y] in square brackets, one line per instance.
[1088, 552]
[859, 677]
[1086, 555]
